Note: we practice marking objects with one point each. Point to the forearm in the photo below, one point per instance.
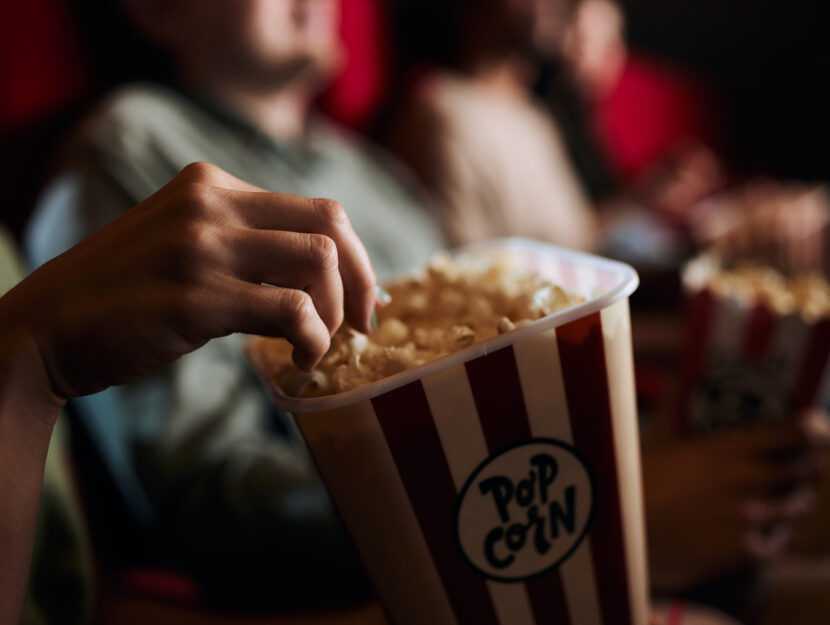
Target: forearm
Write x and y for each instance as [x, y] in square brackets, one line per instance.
[28, 410]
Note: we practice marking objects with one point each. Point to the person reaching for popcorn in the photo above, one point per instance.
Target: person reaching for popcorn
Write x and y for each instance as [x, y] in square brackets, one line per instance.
[186, 265]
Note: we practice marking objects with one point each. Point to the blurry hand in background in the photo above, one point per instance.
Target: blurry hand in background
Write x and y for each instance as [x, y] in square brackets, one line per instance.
[718, 503]
[781, 224]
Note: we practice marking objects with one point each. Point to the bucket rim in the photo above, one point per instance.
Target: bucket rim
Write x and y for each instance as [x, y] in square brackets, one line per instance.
[626, 284]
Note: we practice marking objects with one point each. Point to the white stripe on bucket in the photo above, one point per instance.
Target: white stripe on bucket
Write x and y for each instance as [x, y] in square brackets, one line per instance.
[540, 371]
[456, 419]
[616, 330]
[409, 582]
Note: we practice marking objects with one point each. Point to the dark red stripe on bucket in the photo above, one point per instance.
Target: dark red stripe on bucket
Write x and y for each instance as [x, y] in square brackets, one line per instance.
[582, 354]
[700, 310]
[410, 432]
[759, 333]
[812, 366]
[497, 391]
[547, 598]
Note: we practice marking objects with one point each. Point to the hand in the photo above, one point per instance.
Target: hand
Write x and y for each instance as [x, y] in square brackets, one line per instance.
[186, 265]
[678, 183]
[784, 225]
[729, 499]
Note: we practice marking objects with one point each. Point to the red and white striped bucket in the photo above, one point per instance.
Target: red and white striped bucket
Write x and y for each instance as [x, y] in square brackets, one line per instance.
[747, 364]
[500, 485]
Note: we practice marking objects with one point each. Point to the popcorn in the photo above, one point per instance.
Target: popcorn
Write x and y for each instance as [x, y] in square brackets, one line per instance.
[392, 331]
[807, 294]
[505, 325]
[346, 376]
[452, 305]
[460, 337]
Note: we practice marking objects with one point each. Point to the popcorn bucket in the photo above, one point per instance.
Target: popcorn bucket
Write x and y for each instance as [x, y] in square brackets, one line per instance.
[746, 363]
[499, 485]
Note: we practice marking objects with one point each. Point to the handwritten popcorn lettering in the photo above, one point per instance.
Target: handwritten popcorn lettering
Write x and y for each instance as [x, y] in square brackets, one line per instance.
[524, 510]
[543, 528]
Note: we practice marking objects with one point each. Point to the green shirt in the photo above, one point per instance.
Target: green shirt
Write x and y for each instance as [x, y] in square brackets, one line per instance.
[142, 136]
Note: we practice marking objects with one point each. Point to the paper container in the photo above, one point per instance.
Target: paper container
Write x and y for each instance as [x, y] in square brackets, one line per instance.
[746, 364]
[437, 471]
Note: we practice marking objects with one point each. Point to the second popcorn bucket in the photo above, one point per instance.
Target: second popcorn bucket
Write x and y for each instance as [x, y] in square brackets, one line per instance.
[499, 484]
[747, 362]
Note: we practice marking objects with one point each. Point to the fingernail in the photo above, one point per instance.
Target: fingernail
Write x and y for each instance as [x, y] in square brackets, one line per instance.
[382, 295]
[373, 321]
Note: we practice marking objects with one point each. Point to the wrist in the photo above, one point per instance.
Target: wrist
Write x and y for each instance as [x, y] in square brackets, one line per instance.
[28, 410]
[26, 390]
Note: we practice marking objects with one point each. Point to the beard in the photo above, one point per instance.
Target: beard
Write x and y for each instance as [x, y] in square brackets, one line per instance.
[311, 68]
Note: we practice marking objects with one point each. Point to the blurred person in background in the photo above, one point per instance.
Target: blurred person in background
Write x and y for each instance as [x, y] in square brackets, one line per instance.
[497, 127]
[217, 481]
[765, 59]
[495, 115]
[686, 179]
[781, 224]
[472, 128]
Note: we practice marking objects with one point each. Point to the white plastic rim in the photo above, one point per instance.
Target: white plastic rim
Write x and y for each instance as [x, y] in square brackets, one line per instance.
[624, 281]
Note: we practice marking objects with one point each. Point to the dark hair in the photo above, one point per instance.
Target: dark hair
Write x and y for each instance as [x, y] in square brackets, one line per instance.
[427, 30]
[115, 52]
[424, 35]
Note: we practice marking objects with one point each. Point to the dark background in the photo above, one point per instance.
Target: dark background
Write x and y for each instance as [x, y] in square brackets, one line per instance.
[769, 62]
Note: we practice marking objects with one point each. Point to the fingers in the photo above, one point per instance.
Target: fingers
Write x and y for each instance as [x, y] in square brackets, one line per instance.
[774, 460]
[804, 437]
[779, 442]
[359, 279]
[272, 211]
[763, 479]
[767, 442]
[815, 424]
[767, 512]
[308, 262]
[279, 312]
[323, 244]
[765, 544]
[781, 224]
[656, 619]
[772, 523]
[805, 220]
[211, 175]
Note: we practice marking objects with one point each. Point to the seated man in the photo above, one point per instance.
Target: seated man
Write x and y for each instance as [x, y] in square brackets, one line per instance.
[197, 450]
